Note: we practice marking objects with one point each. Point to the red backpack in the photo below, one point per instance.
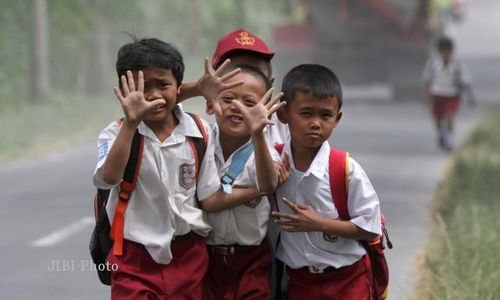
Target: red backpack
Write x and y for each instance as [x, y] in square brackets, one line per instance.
[339, 179]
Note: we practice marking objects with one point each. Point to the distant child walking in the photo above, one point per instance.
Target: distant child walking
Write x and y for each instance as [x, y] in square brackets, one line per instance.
[323, 256]
[446, 81]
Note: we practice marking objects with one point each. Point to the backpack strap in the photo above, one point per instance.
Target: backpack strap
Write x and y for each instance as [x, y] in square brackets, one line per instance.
[339, 181]
[127, 186]
[198, 145]
[236, 167]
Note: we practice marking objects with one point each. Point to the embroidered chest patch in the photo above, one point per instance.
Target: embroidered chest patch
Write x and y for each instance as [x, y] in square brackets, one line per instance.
[330, 237]
[187, 175]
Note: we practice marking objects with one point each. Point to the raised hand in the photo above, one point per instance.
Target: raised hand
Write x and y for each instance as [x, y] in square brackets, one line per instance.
[304, 218]
[257, 117]
[211, 84]
[134, 104]
[283, 169]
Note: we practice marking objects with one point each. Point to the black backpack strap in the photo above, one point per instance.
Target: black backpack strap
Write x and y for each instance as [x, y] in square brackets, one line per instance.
[199, 145]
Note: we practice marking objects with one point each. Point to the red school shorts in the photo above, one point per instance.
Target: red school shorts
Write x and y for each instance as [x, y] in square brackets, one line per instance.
[242, 275]
[347, 283]
[140, 277]
[445, 106]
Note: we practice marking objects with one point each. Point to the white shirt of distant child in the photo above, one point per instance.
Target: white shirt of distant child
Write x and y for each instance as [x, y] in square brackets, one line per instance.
[163, 203]
[444, 80]
[301, 249]
[245, 224]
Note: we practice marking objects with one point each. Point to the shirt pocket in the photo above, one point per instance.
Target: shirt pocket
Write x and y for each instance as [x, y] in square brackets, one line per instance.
[325, 241]
[185, 177]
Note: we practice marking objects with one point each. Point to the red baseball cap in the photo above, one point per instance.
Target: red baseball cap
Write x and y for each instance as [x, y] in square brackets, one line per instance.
[240, 39]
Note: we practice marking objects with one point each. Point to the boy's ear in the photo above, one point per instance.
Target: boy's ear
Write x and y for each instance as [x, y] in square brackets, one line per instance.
[179, 89]
[338, 118]
[282, 115]
[272, 80]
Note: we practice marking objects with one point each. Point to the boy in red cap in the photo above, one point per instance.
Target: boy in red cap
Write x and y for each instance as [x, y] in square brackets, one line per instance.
[241, 47]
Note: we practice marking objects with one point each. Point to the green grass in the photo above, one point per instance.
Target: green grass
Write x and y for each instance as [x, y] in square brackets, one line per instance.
[461, 259]
[59, 123]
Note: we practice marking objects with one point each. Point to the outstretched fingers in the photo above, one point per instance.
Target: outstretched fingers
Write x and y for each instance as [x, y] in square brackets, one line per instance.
[140, 83]
[219, 70]
[131, 83]
[118, 94]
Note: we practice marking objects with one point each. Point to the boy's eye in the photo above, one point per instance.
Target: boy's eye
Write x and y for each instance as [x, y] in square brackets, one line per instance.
[326, 115]
[305, 113]
[227, 98]
[249, 103]
[164, 85]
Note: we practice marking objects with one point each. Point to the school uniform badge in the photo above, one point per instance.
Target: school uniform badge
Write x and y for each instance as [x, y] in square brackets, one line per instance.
[330, 237]
[187, 176]
[253, 203]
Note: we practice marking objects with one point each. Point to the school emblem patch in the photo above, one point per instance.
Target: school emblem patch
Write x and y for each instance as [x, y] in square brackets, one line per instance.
[187, 176]
[253, 203]
[245, 39]
[330, 237]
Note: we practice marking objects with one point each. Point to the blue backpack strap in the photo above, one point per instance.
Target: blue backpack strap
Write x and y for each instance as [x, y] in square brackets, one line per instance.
[236, 167]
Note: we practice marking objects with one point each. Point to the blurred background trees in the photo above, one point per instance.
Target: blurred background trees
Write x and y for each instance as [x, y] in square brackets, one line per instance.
[70, 46]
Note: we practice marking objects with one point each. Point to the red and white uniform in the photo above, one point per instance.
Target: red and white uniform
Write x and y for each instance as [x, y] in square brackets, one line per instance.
[246, 272]
[307, 254]
[163, 205]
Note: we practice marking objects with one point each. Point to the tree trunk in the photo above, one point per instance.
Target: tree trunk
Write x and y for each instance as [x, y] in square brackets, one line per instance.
[97, 74]
[40, 72]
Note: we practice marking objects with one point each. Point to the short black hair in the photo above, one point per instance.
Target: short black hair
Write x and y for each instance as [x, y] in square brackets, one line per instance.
[237, 52]
[444, 43]
[250, 70]
[149, 52]
[312, 79]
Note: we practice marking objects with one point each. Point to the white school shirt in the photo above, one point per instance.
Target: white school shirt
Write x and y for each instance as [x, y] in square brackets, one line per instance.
[300, 249]
[163, 203]
[445, 80]
[243, 224]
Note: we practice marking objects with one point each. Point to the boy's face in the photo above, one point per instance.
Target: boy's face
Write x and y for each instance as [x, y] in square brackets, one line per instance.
[230, 121]
[445, 54]
[310, 119]
[159, 83]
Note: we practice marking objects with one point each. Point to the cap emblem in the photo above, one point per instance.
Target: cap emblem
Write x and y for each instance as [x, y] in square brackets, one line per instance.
[245, 39]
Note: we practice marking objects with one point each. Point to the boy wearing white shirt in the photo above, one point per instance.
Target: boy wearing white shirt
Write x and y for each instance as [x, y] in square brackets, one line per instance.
[240, 259]
[446, 81]
[322, 253]
[159, 251]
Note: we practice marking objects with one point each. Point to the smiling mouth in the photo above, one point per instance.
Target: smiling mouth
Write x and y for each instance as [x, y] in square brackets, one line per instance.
[159, 107]
[235, 119]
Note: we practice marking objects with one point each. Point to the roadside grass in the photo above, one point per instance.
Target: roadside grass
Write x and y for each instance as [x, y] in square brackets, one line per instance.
[32, 129]
[461, 259]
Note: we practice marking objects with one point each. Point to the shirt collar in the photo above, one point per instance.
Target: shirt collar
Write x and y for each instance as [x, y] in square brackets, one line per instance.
[319, 163]
[218, 147]
[186, 127]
